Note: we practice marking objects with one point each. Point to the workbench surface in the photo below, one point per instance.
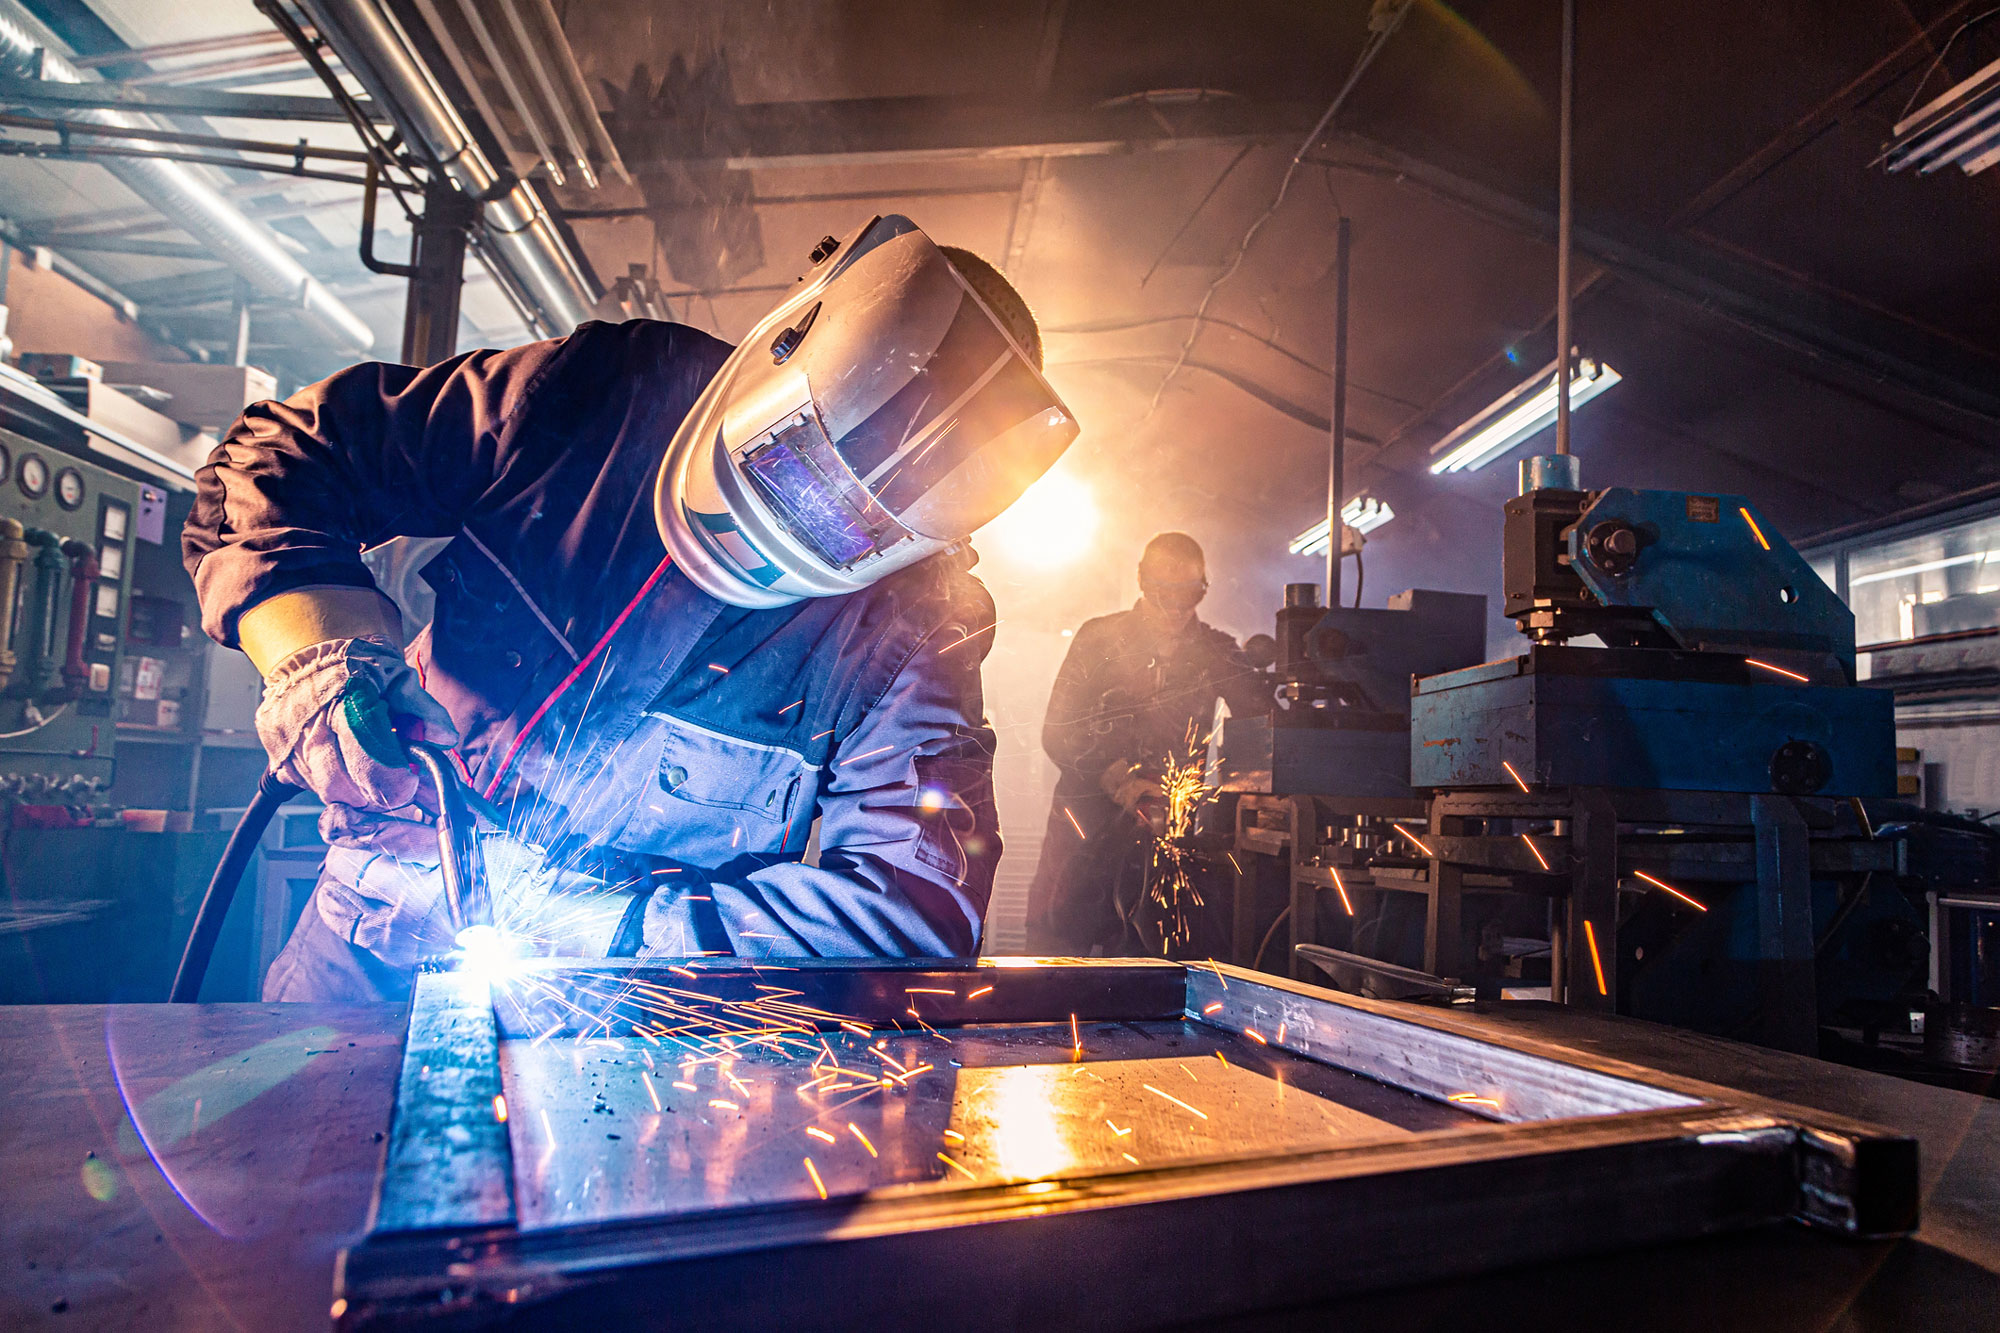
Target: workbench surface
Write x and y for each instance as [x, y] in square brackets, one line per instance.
[270, 1119]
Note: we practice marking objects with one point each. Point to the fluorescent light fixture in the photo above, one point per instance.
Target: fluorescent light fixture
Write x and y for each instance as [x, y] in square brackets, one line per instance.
[1363, 513]
[1523, 412]
[1960, 127]
[1924, 568]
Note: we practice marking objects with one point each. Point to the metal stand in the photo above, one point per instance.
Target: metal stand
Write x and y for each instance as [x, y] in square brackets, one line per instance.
[1597, 842]
[1298, 830]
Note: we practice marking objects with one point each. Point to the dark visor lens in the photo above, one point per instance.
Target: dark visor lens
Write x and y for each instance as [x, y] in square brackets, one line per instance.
[817, 499]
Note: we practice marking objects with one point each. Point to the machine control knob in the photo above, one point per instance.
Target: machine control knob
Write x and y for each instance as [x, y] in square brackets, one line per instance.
[1800, 768]
[1613, 546]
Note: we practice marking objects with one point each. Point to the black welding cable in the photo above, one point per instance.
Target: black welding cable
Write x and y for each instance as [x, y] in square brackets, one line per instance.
[271, 793]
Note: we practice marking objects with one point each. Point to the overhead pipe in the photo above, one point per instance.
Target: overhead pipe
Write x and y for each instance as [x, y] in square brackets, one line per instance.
[519, 234]
[200, 210]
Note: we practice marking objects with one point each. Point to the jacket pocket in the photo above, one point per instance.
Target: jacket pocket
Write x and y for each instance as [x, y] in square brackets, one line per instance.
[714, 796]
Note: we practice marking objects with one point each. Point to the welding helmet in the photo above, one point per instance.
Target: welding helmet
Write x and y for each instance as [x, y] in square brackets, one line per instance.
[880, 414]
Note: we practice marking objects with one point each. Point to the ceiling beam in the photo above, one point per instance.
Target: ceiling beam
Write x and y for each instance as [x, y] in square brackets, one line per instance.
[767, 136]
[171, 101]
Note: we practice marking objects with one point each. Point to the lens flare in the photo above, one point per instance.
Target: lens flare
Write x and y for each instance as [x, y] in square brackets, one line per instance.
[1053, 524]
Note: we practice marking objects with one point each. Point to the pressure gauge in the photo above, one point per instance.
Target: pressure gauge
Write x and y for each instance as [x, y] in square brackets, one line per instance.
[33, 478]
[69, 488]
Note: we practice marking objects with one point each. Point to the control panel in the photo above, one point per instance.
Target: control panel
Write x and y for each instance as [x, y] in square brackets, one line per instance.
[67, 529]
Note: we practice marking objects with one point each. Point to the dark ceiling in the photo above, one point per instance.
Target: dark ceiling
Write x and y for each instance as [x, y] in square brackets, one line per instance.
[1791, 321]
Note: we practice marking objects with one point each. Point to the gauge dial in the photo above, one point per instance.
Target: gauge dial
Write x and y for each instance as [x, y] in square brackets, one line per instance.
[69, 488]
[33, 477]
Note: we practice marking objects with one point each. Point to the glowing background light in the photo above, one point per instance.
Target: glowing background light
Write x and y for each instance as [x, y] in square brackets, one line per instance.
[1053, 524]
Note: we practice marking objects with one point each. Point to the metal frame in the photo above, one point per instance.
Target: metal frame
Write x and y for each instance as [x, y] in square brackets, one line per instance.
[1577, 1155]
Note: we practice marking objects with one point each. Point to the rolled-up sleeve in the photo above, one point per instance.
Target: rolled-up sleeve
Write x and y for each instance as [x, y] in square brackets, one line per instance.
[298, 488]
[908, 835]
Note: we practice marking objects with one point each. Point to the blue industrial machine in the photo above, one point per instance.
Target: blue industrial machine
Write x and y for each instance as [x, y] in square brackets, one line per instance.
[1665, 766]
[1318, 783]
[1726, 665]
[1342, 723]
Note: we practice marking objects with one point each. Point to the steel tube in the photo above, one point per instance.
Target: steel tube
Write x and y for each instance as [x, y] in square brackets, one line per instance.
[519, 232]
[1565, 221]
[197, 208]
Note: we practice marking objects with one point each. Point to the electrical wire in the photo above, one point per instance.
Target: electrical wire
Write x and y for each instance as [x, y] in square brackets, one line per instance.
[29, 731]
[1359, 574]
[1257, 963]
[1383, 23]
[1943, 51]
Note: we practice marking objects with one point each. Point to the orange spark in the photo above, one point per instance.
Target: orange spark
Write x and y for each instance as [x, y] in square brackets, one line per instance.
[1130, 1158]
[1281, 1032]
[1413, 838]
[1341, 888]
[1117, 1132]
[1662, 884]
[1175, 1100]
[983, 990]
[1755, 531]
[688, 1086]
[650, 1091]
[1536, 850]
[956, 1167]
[855, 1130]
[1474, 1099]
[813, 1171]
[954, 1136]
[1071, 816]
[1596, 961]
[727, 1106]
[1075, 1041]
[1256, 1036]
[927, 990]
[500, 1108]
[1211, 1008]
[1518, 780]
[1780, 670]
[819, 1133]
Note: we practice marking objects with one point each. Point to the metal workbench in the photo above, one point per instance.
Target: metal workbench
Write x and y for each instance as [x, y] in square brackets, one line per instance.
[294, 1100]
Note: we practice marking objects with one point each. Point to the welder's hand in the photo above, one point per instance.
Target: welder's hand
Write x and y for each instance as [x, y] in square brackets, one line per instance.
[1130, 786]
[311, 738]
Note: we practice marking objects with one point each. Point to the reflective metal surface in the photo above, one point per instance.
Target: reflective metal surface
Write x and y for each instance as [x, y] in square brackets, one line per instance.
[622, 1127]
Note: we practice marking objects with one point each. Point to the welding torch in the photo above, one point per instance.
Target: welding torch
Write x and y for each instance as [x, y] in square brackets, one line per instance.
[397, 741]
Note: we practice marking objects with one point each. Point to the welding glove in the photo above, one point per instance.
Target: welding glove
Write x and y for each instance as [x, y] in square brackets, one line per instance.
[388, 897]
[311, 739]
[1129, 785]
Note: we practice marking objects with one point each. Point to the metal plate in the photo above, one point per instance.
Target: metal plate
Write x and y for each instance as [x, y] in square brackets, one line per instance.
[1213, 1140]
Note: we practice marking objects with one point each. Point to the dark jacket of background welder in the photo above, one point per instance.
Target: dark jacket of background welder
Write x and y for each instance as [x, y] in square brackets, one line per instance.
[1131, 690]
[714, 735]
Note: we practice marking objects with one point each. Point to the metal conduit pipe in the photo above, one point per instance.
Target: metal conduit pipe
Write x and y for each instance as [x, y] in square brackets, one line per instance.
[196, 207]
[519, 234]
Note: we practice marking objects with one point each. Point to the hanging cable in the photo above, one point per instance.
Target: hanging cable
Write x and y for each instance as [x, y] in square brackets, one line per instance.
[1383, 21]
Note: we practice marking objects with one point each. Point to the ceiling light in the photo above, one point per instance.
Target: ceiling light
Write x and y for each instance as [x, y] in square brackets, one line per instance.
[1363, 513]
[1517, 416]
[1959, 127]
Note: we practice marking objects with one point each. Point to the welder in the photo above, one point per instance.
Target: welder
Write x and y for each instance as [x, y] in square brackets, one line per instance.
[1136, 691]
[700, 607]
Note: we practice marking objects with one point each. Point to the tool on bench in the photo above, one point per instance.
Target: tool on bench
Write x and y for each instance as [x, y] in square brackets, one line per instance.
[392, 741]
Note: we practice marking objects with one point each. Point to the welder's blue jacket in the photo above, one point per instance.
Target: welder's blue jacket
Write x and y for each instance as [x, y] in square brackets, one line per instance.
[705, 739]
